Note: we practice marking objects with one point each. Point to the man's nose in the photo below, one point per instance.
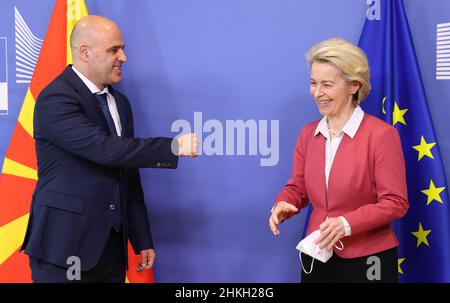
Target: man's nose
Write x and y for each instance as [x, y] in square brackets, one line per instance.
[122, 56]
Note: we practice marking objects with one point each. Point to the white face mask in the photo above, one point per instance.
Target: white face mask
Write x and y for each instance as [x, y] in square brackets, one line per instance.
[307, 246]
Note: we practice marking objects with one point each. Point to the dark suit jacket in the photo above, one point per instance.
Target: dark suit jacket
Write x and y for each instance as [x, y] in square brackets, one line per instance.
[82, 171]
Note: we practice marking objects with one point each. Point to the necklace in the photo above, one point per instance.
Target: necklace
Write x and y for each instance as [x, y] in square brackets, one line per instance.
[334, 133]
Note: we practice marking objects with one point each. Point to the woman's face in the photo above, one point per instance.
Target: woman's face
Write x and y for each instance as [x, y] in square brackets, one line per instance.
[331, 92]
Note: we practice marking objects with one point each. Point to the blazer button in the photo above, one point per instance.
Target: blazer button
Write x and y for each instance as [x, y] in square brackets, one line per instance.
[112, 207]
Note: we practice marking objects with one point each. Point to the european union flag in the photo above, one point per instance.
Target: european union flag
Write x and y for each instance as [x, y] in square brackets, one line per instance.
[398, 97]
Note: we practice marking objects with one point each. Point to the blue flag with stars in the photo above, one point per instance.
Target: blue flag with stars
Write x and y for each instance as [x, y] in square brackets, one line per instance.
[398, 97]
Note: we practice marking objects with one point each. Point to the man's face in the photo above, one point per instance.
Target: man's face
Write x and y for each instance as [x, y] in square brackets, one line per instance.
[106, 56]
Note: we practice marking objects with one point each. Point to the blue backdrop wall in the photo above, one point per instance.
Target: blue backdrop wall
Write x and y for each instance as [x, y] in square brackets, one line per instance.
[226, 60]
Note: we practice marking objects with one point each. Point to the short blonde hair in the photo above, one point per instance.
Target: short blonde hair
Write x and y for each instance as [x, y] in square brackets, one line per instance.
[348, 58]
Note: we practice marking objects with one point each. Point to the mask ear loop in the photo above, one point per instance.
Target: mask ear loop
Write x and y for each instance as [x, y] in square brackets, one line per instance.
[312, 262]
[301, 262]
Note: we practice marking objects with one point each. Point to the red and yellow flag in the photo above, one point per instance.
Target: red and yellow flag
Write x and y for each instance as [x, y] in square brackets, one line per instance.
[19, 173]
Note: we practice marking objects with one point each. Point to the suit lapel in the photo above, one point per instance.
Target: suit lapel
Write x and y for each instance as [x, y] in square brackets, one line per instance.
[87, 100]
[316, 166]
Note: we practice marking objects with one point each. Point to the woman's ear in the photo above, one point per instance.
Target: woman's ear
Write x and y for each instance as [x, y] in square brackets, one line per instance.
[355, 87]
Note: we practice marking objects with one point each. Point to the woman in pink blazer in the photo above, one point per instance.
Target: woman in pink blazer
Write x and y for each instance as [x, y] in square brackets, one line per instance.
[349, 165]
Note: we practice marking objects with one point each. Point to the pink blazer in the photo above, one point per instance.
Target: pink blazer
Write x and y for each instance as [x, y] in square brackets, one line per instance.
[367, 184]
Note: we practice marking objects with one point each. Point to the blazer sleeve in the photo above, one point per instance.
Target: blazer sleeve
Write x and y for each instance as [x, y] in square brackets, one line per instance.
[390, 182]
[139, 231]
[139, 228]
[294, 192]
[60, 119]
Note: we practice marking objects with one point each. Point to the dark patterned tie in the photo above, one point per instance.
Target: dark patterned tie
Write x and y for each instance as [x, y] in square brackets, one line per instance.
[104, 106]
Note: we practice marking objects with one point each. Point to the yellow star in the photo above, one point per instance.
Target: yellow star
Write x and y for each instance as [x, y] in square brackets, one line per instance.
[421, 235]
[424, 148]
[400, 261]
[397, 115]
[433, 193]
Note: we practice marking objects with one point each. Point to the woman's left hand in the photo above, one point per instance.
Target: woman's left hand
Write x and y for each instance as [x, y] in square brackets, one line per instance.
[331, 231]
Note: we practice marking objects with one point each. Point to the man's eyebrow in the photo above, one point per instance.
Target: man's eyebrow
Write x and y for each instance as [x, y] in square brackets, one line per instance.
[114, 47]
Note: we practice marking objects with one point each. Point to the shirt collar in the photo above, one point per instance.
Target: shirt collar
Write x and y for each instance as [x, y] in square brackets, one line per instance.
[92, 87]
[350, 128]
[322, 127]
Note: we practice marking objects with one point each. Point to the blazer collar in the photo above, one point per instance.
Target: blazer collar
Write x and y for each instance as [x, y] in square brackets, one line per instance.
[90, 85]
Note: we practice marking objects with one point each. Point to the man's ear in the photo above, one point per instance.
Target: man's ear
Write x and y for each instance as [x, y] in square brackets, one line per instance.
[83, 53]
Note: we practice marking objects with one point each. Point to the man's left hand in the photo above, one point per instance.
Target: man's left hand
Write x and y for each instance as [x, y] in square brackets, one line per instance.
[148, 258]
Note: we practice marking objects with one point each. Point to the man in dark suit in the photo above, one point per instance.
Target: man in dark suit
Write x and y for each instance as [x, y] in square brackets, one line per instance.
[88, 200]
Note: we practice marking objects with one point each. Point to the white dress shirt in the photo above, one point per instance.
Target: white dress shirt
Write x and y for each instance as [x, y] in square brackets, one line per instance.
[332, 144]
[112, 106]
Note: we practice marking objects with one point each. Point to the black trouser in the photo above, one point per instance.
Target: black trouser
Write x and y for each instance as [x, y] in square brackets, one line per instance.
[362, 270]
[109, 269]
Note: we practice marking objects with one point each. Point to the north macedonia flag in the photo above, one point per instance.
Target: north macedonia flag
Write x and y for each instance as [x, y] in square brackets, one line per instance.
[19, 173]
